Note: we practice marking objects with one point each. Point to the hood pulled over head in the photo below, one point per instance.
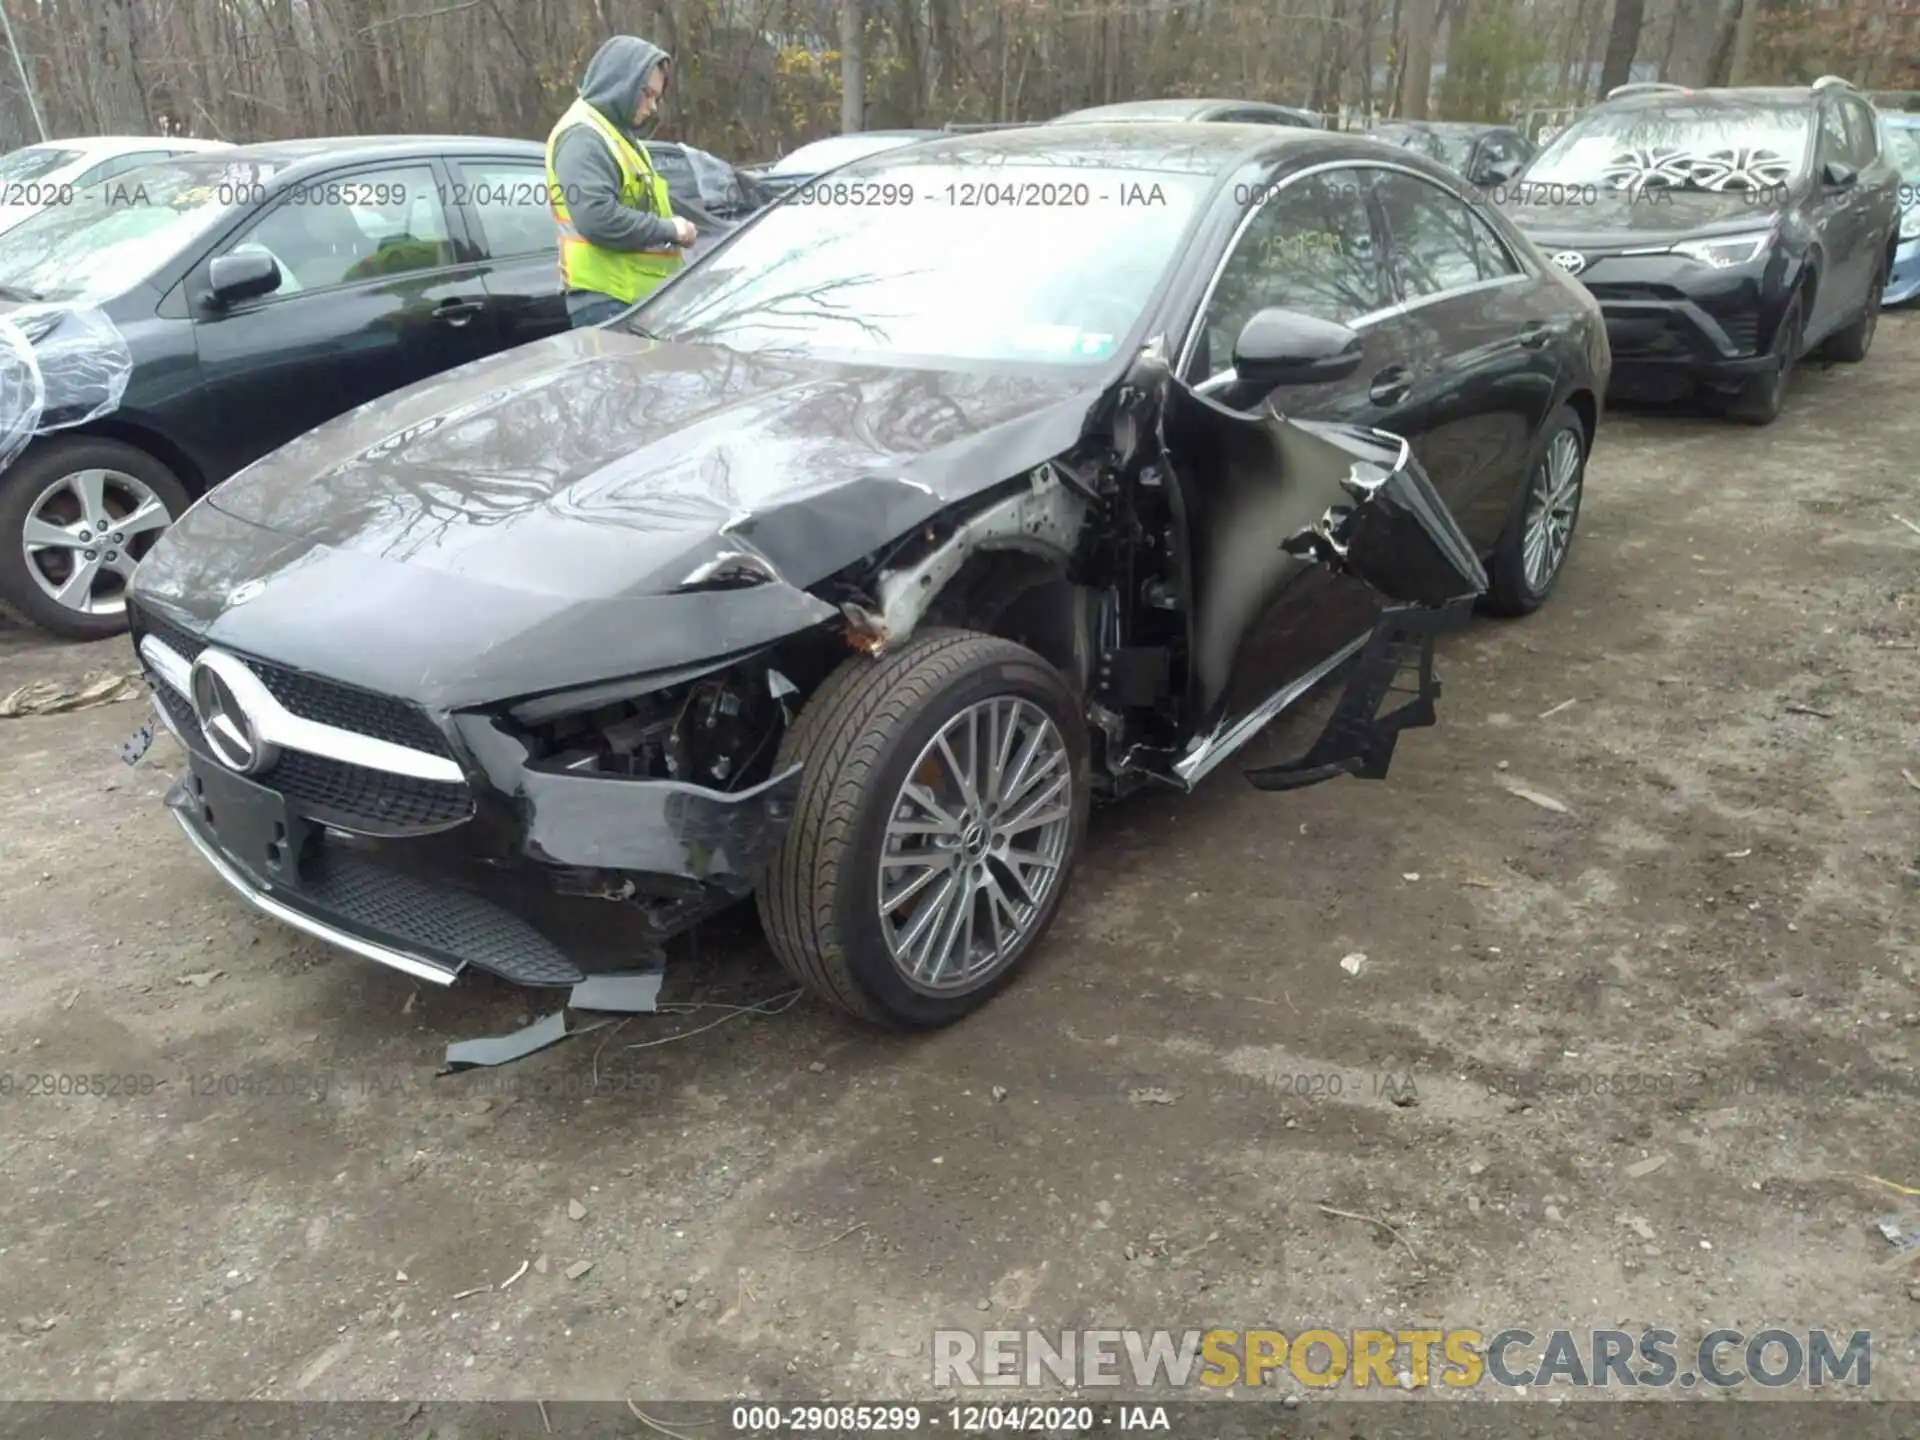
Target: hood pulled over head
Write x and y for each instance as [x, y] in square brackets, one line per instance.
[617, 75]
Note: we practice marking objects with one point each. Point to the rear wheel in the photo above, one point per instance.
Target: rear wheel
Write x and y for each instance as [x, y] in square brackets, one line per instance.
[1539, 532]
[1760, 400]
[76, 515]
[1850, 345]
[942, 806]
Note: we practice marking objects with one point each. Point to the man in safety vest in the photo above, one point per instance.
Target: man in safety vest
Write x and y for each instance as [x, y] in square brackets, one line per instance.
[619, 237]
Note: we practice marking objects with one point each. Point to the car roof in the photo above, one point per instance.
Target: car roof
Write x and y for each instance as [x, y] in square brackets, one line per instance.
[349, 148]
[1173, 109]
[1191, 147]
[120, 144]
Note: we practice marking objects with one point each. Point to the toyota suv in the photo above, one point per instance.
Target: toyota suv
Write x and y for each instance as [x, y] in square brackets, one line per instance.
[1726, 233]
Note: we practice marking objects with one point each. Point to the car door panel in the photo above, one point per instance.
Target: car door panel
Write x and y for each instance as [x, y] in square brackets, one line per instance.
[1840, 216]
[1485, 334]
[1261, 618]
[379, 294]
[507, 204]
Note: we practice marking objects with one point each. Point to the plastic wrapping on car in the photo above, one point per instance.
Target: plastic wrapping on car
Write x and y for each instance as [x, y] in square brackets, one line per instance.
[60, 366]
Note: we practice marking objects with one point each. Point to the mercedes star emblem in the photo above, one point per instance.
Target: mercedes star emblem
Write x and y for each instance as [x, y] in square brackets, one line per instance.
[218, 681]
[1571, 261]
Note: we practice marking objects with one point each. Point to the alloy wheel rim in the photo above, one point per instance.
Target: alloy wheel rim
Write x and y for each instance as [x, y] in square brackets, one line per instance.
[1552, 508]
[975, 845]
[85, 533]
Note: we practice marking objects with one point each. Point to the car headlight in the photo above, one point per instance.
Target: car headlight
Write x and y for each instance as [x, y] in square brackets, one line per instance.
[1910, 224]
[1725, 251]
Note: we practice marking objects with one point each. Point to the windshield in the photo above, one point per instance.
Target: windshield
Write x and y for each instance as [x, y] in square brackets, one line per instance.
[1039, 264]
[115, 234]
[1678, 147]
[1903, 149]
[33, 162]
[835, 150]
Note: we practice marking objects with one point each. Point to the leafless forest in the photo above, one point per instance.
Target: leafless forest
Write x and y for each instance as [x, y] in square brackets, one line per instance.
[757, 76]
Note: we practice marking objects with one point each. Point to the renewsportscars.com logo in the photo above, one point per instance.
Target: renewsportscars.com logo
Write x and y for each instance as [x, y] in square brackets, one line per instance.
[1514, 1358]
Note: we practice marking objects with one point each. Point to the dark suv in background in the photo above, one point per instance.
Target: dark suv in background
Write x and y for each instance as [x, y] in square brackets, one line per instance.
[1725, 233]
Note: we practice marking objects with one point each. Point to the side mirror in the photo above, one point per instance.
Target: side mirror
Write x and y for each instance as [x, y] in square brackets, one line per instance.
[241, 277]
[1838, 174]
[1497, 172]
[1284, 347]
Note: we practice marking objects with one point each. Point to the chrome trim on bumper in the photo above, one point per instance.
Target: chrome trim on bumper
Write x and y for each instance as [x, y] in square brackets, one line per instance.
[367, 950]
[279, 726]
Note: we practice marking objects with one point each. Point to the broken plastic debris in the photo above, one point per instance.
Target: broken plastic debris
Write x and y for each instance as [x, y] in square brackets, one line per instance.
[1353, 964]
[501, 1049]
[578, 1268]
[635, 994]
[1646, 1166]
[134, 748]
[575, 1210]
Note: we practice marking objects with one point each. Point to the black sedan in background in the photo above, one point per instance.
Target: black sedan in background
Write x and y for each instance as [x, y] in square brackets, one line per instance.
[1726, 233]
[1487, 155]
[833, 574]
[243, 297]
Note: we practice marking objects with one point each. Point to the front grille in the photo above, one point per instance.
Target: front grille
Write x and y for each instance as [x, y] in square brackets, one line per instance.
[346, 708]
[327, 702]
[1613, 290]
[357, 798]
[332, 792]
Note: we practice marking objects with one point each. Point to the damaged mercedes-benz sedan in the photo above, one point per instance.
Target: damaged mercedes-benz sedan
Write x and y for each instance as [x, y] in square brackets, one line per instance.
[848, 569]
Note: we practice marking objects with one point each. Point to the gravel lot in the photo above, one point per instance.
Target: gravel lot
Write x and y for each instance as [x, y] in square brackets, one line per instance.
[1717, 932]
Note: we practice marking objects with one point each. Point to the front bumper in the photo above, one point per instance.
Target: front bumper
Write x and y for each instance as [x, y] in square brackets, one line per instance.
[1672, 323]
[1903, 281]
[567, 877]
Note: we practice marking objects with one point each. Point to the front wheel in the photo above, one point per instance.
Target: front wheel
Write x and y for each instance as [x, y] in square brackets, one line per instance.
[77, 513]
[942, 807]
[1760, 400]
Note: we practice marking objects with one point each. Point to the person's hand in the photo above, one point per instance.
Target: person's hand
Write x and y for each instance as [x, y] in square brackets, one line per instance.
[683, 231]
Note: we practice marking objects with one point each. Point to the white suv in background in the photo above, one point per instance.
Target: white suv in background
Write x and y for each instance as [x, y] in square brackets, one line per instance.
[36, 176]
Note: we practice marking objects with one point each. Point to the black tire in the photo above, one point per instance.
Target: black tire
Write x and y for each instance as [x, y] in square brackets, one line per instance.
[21, 489]
[1760, 400]
[857, 738]
[1509, 592]
[1850, 346]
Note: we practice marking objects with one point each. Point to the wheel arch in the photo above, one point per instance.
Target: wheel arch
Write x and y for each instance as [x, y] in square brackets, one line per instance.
[140, 436]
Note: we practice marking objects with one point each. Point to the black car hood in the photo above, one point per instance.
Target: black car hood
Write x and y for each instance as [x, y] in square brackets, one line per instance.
[533, 520]
[1584, 219]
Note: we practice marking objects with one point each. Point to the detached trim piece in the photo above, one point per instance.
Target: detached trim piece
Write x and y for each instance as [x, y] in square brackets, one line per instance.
[276, 725]
[413, 965]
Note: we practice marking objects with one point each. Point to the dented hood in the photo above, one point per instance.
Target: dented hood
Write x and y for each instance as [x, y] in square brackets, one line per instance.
[534, 520]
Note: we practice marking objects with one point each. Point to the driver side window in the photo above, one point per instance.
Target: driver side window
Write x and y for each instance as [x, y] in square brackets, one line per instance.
[1309, 248]
[1833, 134]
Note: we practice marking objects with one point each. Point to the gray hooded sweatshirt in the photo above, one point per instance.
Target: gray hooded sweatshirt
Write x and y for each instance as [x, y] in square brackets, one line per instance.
[589, 175]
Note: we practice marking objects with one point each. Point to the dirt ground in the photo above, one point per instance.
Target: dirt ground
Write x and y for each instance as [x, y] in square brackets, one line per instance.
[1718, 930]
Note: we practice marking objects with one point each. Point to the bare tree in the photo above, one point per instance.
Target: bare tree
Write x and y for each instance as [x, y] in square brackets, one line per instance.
[1623, 43]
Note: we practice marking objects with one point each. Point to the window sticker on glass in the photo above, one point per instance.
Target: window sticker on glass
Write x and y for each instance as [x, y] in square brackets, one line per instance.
[1093, 345]
[1054, 339]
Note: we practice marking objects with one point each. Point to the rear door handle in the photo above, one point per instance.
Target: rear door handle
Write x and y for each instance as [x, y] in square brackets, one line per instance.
[458, 312]
[1390, 386]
